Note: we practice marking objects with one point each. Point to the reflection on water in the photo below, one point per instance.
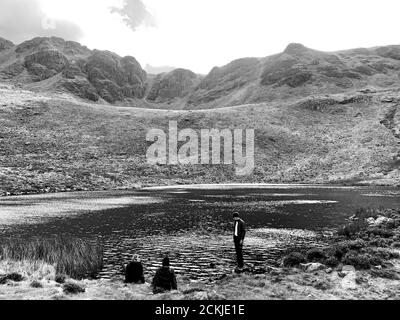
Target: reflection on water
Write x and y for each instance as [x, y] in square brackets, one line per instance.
[194, 226]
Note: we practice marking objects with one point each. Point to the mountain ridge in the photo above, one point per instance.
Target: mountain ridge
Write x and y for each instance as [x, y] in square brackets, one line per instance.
[54, 64]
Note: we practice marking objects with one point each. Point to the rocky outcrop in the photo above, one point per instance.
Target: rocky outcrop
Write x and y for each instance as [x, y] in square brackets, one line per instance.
[85, 73]
[175, 84]
[295, 49]
[12, 70]
[45, 64]
[80, 87]
[285, 70]
[115, 78]
[296, 72]
[68, 48]
[51, 59]
[235, 72]
[299, 65]
[71, 71]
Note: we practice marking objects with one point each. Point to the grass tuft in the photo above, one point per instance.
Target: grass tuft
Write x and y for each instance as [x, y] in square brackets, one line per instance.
[76, 258]
[294, 259]
[36, 284]
[60, 278]
[16, 277]
[315, 255]
[72, 287]
[361, 260]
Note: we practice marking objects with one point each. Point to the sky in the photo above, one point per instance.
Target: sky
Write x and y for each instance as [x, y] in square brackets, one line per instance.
[201, 34]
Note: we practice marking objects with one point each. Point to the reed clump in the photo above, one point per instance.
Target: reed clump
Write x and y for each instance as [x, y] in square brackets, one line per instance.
[77, 258]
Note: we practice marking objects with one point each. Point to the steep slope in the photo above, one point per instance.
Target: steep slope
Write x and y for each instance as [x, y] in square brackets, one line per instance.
[56, 64]
[170, 86]
[54, 143]
[230, 81]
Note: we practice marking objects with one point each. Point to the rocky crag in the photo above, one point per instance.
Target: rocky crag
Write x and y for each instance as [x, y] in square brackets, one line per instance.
[54, 64]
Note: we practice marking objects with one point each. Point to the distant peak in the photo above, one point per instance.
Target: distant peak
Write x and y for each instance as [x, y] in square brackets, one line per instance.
[294, 48]
[157, 70]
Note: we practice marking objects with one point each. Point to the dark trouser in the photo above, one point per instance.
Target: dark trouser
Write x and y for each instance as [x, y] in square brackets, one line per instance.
[239, 252]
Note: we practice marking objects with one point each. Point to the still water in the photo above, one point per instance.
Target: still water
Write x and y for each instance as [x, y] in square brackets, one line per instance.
[193, 225]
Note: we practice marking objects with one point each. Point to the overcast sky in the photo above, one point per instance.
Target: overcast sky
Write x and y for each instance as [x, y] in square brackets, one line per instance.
[201, 34]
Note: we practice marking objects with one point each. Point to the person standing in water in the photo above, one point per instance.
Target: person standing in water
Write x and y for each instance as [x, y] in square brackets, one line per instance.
[239, 232]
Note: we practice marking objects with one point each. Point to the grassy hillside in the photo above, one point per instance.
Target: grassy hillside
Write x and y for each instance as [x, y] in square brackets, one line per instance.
[51, 142]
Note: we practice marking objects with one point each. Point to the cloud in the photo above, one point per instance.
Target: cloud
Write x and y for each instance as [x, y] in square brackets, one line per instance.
[134, 14]
[21, 20]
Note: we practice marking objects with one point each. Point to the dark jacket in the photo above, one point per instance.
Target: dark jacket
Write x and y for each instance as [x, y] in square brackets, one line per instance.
[164, 280]
[241, 229]
[134, 272]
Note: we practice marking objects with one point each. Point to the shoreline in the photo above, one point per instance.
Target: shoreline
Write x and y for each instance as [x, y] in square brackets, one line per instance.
[205, 186]
[360, 261]
[276, 284]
